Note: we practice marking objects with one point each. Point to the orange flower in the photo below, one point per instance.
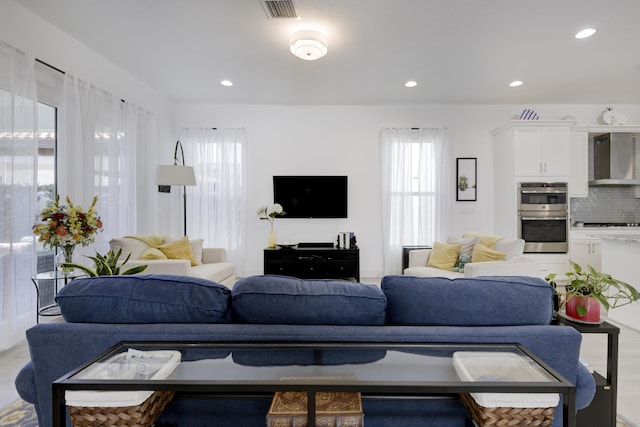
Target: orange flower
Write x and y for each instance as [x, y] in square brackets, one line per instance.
[60, 231]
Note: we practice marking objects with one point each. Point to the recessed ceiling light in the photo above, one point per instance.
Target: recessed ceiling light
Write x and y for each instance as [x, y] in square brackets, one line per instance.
[226, 83]
[411, 83]
[587, 32]
[516, 83]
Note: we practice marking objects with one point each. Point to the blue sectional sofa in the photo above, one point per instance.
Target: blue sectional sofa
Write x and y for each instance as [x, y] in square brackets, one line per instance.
[100, 312]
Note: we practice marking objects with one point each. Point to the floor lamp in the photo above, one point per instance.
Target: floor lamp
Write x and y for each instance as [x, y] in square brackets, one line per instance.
[168, 175]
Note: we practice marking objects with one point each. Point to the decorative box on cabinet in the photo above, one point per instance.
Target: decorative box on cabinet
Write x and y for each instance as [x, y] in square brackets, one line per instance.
[313, 263]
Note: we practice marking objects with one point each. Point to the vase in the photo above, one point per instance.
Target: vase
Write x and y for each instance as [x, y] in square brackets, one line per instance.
[583, 308]
[65, 255]
[272, 238]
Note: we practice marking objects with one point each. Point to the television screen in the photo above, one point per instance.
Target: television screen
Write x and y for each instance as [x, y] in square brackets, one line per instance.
[311, 196]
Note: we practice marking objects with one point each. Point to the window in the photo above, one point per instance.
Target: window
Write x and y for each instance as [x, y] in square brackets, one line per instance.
[415, 190]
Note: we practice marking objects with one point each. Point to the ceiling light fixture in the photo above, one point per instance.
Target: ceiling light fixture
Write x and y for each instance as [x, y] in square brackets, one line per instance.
[308, 45]
[227, 83]
[587, 32]
[411, 83]
[516, 83]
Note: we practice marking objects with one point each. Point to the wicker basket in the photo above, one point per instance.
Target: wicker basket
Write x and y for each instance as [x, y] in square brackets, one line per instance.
[143, 415]
[507, 417]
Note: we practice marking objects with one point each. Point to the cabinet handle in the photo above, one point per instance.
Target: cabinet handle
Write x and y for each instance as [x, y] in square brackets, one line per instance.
[545, 167]
[540, 165]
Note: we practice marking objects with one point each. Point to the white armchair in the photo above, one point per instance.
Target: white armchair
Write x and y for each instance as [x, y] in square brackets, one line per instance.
[513, 265]
[211, 263]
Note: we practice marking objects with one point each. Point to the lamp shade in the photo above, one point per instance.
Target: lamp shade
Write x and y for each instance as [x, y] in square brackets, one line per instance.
[175, 175]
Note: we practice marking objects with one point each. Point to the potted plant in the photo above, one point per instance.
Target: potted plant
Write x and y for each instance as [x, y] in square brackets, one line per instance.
[587, 290]
[107, 265]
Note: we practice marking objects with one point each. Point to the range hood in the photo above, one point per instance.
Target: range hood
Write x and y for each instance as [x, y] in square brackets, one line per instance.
[614, 160]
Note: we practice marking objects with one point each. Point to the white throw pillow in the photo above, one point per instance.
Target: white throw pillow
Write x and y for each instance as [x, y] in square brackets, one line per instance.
[467, 244]
[196, 246]
[513, 248]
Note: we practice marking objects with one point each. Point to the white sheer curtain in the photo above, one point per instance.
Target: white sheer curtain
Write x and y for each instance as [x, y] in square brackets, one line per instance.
[217, 205]
[101, 144]
[18, 164]
[416, 190]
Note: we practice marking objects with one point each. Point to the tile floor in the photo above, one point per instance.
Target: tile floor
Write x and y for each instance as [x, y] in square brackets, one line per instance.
[593, 350]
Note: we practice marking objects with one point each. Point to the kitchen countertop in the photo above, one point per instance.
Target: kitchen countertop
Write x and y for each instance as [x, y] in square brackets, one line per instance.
[617, 229]
[631, 238]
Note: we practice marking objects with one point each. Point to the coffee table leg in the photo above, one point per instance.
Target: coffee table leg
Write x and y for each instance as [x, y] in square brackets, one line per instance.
[311, 408]
[59, 413]
[569, 407]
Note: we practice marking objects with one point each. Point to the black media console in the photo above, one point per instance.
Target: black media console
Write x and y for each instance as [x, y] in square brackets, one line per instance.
[319, 262]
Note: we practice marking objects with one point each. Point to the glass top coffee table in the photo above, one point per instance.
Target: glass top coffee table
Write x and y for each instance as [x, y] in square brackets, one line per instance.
[394, 370]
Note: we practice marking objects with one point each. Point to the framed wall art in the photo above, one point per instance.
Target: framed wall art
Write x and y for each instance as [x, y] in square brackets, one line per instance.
[466, 176]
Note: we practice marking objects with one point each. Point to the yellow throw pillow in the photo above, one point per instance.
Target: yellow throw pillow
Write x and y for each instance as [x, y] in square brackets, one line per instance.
[152, 253]
[179, 249]
[443, 256]
[482, 253]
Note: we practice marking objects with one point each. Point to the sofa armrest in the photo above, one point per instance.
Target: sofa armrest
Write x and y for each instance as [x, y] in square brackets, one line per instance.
[177, 267]
[585, 387]
[419, 257]
[213, 255]
[516, 267]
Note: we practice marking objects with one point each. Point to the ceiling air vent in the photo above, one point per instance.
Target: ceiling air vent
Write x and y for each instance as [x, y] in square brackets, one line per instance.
[276, 9]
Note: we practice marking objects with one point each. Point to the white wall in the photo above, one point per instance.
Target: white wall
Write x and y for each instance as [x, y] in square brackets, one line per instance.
[30, 33]
[294, 139]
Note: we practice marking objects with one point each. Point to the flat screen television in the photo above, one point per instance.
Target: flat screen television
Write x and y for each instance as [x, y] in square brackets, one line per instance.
[311, 196]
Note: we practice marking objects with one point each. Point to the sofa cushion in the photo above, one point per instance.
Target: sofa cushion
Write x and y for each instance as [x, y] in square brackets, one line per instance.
[150, 298]
[217, 272]
[287, 300]
[129, 246]
[443, 255]
[477, 301]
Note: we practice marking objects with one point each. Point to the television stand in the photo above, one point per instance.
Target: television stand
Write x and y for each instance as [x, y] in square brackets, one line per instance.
[316, 245]
[313, 262]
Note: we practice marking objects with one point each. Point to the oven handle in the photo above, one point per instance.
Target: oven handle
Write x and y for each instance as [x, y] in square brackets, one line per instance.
[542, 218]
[543, 191]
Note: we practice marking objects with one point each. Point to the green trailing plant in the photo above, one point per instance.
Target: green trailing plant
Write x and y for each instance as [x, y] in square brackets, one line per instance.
[106, 265]
[609, 292]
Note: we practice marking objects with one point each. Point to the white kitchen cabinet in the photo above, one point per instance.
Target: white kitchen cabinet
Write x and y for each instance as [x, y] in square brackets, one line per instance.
[586, 252]
[579, 164]
[541, 151]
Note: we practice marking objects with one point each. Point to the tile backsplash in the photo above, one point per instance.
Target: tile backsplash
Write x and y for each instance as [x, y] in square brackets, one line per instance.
[607, 204]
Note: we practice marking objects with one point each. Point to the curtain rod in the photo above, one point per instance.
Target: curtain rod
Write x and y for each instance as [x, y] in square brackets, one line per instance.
[50, 66]
[59, 70]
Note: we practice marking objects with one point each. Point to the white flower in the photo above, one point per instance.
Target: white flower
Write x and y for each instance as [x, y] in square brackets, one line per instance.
[270, 212]
[277, 209]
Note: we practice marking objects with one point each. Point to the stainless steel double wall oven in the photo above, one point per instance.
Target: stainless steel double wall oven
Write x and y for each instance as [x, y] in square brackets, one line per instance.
[543, 216]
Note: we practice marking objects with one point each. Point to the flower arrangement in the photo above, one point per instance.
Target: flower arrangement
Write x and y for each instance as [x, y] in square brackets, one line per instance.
[67, 225]
[270, 212]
